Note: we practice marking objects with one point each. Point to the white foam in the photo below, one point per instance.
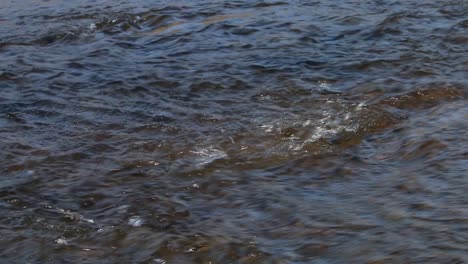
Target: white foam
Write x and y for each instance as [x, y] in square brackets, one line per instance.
[135, 221]
[61, 241]
[324, 84]
[208, 155]
[360, 106]
[331, 125]
[75, 216]
[267, 127]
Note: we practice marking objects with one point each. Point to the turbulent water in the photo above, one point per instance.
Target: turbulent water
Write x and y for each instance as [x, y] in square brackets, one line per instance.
[234, 131]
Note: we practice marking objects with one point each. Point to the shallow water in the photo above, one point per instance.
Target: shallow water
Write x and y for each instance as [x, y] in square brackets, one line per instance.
[233, 131]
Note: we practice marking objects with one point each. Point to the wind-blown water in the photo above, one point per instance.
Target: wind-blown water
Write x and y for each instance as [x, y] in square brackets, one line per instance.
[233, 131]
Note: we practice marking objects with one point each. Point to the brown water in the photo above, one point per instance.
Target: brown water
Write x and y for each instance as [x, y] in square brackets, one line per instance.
[233, 131]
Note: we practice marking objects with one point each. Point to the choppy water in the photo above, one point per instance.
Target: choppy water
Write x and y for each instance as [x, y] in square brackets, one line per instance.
[233, 131]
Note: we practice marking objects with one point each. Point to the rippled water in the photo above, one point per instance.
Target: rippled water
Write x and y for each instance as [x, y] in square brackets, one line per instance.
[233, 131]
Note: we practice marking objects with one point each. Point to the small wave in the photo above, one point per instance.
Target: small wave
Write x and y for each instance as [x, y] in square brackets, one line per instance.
[207, 155]
[425, 97]
[334, 125]
[73, 216]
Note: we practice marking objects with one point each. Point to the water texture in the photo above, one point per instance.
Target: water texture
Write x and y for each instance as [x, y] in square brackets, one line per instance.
[233, 131]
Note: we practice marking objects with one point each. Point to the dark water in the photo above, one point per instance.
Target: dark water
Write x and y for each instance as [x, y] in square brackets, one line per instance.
[234, 131]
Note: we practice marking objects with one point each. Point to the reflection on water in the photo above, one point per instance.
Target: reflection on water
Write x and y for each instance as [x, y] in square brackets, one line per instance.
[233, 132]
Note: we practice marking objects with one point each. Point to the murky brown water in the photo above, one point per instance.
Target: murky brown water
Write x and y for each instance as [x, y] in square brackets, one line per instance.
[233, 131]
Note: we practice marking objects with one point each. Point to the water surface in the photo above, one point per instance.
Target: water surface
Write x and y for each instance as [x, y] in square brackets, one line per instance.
[233, 131]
